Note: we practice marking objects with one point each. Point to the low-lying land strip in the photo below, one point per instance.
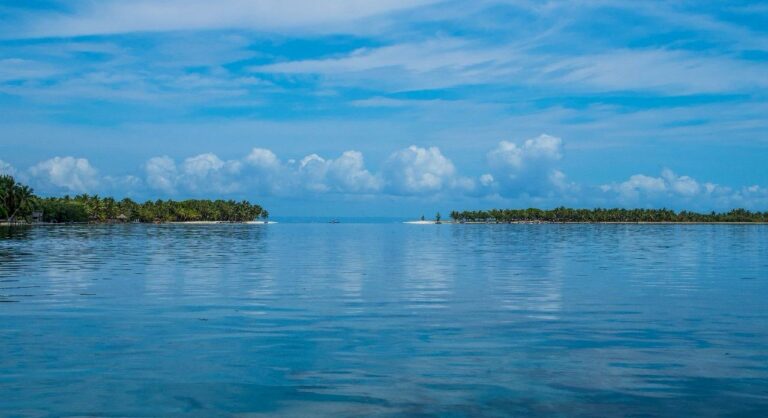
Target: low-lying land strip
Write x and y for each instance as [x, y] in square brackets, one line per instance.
[615, 215]
[18, 204]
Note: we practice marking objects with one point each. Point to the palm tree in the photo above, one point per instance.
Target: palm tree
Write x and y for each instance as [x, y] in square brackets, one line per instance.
[6, 188]
[17, 199]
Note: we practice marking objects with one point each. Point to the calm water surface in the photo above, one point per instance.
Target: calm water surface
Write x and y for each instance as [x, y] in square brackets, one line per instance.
[384, 320]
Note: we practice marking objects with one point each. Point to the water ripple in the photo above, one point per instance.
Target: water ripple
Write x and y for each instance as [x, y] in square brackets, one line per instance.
[384, 320]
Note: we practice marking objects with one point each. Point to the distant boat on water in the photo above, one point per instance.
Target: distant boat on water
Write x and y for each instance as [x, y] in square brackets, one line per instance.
[334, 221]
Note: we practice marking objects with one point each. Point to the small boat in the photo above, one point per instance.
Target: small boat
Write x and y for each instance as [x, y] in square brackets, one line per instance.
[334, 221]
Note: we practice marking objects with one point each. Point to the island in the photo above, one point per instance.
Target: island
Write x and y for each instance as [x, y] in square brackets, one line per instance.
[599, 215]
[19, 205]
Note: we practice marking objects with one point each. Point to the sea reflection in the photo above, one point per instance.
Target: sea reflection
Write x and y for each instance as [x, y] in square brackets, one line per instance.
[307, 319]
[426, 273]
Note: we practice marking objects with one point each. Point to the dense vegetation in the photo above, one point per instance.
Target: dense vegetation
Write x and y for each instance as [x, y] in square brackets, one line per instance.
[605, 215]
[17, 202]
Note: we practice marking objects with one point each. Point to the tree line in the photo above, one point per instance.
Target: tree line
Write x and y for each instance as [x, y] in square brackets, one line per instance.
[563, 214]
[18, 202]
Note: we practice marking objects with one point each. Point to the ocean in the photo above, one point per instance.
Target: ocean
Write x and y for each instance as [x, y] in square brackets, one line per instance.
[384, 319]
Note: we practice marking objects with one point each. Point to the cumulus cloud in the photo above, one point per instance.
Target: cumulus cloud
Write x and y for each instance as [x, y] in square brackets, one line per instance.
[410, 171]
[312, 169]
[207, 172]
[683, 185]
[202, 165]
[161, 174]
[667, 184]
[265, 172]
[637, 184]
[416, 170]
[528, 168]
[261, 171]
[262, 158]
[525, 173]
[544, 148]
[202, 173]
[671, 189]
[346, 174]
[65, 173]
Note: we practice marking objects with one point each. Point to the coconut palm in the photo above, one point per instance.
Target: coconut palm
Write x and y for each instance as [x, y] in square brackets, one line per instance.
[15, 199]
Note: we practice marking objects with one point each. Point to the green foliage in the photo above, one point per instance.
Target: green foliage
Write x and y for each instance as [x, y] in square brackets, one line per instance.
[18, 200]
[60, 210]
[98, 209]
[563, 214]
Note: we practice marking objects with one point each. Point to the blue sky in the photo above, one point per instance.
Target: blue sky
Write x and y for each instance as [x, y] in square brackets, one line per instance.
[389, 107]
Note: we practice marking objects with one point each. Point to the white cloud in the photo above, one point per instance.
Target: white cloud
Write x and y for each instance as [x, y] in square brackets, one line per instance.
[264, 158]
[637, 184]
[416, 170]
[433, 63]
[668, 184]
[209, 173]
[559, 180]
[312, 170]
[382, 102]
[670, 189]
[6, 169]
[112, 16]
[450, 61]
[667, 71]
[123, 184]
[682, 185]
[23, 69]
[202, 165]
[204, 173]
[346, 174]
[161, 174]
[266, 173]
[542, 148]
[67, 173]
[529, 168]
[524, 174]
[262, 171]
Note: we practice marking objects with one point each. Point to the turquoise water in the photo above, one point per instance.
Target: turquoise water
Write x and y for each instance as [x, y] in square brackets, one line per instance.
[384, 320]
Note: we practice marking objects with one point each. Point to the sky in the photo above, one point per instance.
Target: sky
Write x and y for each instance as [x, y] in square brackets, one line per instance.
[389, 107]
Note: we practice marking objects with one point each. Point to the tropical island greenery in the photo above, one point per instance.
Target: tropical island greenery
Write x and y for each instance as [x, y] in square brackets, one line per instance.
[18, 203]
[563, 214]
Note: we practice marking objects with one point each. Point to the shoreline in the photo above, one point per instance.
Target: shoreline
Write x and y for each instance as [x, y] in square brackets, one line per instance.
[582, 223]
[8, 224]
